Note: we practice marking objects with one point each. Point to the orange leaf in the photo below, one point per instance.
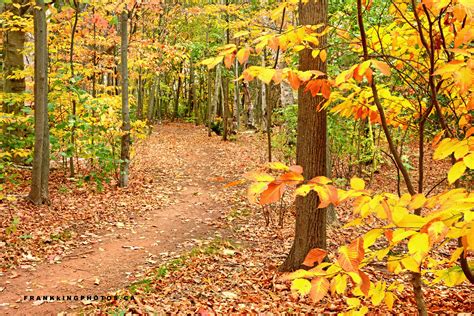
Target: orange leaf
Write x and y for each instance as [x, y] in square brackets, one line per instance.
[351, 256]
[229, 60]
[365, 285]
[326, 89]
[273, 193]
[314, 255]
[291, 177]
[368, 75]
[314, 86]
[234, 183]
[294, 80]
[243, 55]
[319, 289]
[382, 66]
[323, 55]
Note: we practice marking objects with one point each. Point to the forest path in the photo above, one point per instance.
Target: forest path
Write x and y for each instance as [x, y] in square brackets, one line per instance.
[182, 171]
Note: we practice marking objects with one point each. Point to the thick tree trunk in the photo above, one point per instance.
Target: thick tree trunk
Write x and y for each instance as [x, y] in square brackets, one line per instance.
[125, 144]
[310, 230]
[39, 181]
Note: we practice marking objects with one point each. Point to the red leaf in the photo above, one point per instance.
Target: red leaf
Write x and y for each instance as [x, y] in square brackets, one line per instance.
[314, 86]
[314, 255]
[326, 89]
[273, 193]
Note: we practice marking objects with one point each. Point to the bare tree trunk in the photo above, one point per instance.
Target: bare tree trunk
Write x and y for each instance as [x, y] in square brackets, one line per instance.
[178, 89]
[236, 96]
[125, 145]
[73, 109]
[158, 99]
[310, 230]
[140, 95]
[39, 193]
[14, 44]
[151, 103]
[209, 104]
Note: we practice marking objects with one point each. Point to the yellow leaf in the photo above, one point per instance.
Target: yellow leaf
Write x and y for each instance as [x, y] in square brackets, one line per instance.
[357, 184]
[456, 254]
[363, 67]
[410, 264]
[353, 302]
[378, 293]
[437, 231]
[243, 55]
[410, 221]
[456, 171]
[339, 284]
[394, 265]
[301, 286]
[451, 276]
[266, 75]
[469, 160]
[212, 62]
[389, 299]
[371, 236]
[444, 149]
[303, 190]
[254, 191]
[419, 246]
[241, 33]
[277, 166]
[400, 234]
[461, 150]
[319, 288]
[417, 201]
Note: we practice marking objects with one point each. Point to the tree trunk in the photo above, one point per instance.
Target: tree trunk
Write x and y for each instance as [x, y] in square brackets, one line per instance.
[176, 100]
[14, 44]
[236, 96]
[125, 144]
[74, 105]
[209, 103]
[151, 103]
[140, 95]
[39, 193]
[310, 230]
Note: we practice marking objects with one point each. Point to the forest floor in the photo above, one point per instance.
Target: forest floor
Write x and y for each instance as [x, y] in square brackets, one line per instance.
[89, 243]
[176, 240]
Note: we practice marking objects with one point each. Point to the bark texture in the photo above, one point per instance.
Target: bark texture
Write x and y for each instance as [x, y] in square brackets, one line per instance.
[125, 144]
[310, 230]
[40, 174]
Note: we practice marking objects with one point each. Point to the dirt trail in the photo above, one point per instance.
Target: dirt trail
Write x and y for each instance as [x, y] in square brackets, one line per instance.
[184, 171]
